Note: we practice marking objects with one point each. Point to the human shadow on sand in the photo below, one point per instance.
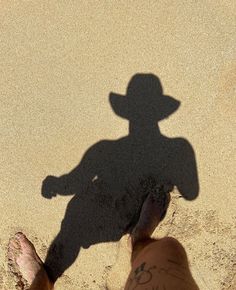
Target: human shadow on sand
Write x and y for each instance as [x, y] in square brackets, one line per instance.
[105, 203]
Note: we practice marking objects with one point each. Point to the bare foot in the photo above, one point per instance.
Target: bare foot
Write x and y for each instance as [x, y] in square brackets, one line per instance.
[153, 211]
[24, 262]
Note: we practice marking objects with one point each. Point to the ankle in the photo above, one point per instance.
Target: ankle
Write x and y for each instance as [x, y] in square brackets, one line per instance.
[41, 281]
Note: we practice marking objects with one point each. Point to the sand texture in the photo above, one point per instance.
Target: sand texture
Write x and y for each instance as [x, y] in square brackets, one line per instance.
[59, 62]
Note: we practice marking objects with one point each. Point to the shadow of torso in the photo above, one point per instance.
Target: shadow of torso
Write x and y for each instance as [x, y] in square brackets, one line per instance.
[106, 204]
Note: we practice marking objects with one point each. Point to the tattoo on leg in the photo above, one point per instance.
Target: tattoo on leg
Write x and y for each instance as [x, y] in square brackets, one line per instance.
[176, 263]
[143, 274]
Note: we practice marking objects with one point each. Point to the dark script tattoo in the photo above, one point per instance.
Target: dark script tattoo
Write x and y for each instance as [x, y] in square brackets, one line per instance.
[143, 275]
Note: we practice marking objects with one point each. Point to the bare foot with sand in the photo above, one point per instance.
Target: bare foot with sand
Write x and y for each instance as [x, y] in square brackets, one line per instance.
[25, 263]
[153, 211]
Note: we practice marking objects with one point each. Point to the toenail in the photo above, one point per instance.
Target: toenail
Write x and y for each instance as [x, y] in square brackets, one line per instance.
[19, 235]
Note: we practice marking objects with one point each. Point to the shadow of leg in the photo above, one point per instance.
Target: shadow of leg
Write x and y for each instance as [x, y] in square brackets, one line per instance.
[61, 255]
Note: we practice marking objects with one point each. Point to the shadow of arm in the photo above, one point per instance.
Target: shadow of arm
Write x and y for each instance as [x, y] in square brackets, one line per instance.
[75, 181]
[186, 172]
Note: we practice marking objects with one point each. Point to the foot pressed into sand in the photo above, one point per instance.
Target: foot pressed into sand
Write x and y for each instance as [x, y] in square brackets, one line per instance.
[24, 262]
[152, 212]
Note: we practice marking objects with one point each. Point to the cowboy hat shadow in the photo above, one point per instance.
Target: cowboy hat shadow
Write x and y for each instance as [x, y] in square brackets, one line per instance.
[106, 184]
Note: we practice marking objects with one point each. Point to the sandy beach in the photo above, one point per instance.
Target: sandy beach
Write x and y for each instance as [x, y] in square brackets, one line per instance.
[59, 63]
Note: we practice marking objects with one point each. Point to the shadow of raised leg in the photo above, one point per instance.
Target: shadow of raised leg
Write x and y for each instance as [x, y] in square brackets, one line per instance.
[61, 255]
[65, 248]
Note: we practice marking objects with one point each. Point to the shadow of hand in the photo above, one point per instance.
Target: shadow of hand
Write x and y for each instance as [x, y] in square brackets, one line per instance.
[50, 186]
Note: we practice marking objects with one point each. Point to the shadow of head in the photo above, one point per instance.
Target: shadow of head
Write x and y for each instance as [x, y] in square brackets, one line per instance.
[144, 100]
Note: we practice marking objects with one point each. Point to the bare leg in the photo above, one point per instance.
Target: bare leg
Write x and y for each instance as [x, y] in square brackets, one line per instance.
[26, 265]
[157, 264]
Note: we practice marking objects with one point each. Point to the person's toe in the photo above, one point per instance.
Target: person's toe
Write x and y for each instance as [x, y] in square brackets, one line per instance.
[13, 245]
[21, 238]
[26, 246]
